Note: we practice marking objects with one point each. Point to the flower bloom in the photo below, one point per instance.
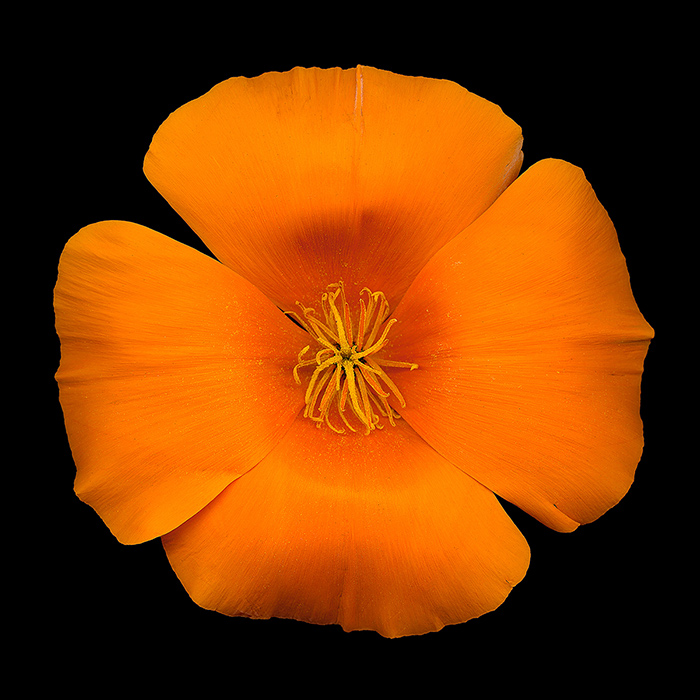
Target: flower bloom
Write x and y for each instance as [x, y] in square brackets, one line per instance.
[397, 327]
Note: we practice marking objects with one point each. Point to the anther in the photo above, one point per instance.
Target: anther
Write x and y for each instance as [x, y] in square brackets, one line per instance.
[347, 371]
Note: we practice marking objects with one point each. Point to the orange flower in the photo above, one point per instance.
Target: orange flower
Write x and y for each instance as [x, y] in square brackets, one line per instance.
[397, 330]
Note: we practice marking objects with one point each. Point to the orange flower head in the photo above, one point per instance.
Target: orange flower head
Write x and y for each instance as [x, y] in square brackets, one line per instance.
[397, 328]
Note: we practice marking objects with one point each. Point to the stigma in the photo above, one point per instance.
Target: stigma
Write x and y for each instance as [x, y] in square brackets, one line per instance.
[348, 386]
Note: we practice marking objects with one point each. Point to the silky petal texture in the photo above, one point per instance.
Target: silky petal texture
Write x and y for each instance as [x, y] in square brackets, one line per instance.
[299, 179]
[376, 532]
[175, 375]
[531, 349]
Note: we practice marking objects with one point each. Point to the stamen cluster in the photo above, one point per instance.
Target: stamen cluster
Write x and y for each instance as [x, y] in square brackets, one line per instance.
[347, 370]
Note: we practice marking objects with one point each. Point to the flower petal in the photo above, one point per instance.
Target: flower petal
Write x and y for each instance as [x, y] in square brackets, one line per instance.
[531, 349]
[175, 375]
[299, 179]
[374, 532]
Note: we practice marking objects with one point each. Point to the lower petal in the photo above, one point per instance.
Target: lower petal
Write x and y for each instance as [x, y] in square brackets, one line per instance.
[376, 532]
[175, 375]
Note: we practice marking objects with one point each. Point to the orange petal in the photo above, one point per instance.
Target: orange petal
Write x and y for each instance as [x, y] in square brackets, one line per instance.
[298, 179]
[169, 388]
[376, 532]
[531, 349]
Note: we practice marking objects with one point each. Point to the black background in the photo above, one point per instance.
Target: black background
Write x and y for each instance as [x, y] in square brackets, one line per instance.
[594, 602]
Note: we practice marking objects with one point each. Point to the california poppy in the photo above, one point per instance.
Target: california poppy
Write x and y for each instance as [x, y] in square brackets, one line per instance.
[397, 327]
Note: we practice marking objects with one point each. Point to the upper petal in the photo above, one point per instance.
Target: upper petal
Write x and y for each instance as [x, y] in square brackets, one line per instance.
[531, 350]
[376, 532]
[302, 178]
[175, 375]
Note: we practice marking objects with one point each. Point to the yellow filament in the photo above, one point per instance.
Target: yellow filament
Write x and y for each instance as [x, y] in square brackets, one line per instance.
[345, 366]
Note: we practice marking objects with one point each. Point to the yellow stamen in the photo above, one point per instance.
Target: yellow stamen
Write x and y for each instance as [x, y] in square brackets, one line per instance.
[345, 365]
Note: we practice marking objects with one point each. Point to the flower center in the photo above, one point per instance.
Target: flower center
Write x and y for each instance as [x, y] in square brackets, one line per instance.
[347, 371]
